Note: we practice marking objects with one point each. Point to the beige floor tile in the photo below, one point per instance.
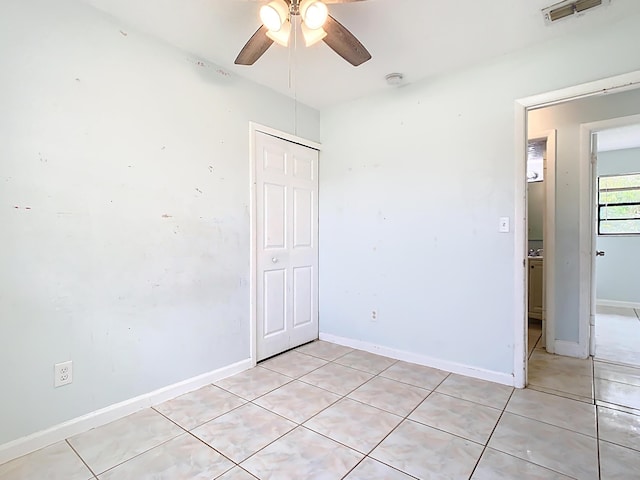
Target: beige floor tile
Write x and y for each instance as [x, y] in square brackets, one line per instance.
[551, 391]
[182, 457]
[253, 383]
[55, 462]
[618, 463]
[365, 361]
[617, 373]
[293, 364]
[354, 424]
[324, 350]
[417, 375]
[390, 395]
[370, 469]
[479, 391]
[195, 408]
[243, 431]
[495, 465]
[237, 473]
[555, 448]
[337, 378]
[619, 408]
[109, 445]
[460, 417]
[561, 412]
[302, 454]
[618, 393]
[562, 381]
[619, 427]
[297, 401]
[547, 361]
[618, 337]
[427, 453]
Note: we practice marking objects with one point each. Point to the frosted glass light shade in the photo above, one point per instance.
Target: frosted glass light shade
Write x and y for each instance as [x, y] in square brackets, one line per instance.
[274, 15]
[281, 37]
[314, 13]
[311, 37]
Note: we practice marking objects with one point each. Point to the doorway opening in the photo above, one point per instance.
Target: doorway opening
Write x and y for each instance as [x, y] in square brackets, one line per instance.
[567, 339]
[284, 242]
[616, 227]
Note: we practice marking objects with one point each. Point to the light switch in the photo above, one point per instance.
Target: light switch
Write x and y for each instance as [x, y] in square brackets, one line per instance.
[504, 225]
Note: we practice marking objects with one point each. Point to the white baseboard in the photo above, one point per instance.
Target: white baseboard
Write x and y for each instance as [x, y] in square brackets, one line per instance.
[616, 303]
[469, 371]
[57, 433]
[569, 349]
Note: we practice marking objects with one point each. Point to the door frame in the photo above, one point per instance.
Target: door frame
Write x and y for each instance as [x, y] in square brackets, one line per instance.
[548, 237]
[618, 83]
[253, 264]
[588, 219]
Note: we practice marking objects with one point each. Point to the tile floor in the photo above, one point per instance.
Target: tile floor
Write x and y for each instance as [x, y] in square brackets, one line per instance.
[327, 412]
[618, 335]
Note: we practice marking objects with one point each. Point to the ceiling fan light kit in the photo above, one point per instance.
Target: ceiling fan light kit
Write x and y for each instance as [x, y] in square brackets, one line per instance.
[314, 13]
[274, 14]
[279, 17]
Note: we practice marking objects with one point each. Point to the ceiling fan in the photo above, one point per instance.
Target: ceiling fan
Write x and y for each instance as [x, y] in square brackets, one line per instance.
[279, 17]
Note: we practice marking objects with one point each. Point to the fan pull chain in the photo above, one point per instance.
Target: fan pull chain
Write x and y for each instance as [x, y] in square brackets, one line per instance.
[293, 71]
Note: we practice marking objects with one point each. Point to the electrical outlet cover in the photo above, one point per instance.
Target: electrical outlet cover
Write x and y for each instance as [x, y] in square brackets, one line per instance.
[63, 373]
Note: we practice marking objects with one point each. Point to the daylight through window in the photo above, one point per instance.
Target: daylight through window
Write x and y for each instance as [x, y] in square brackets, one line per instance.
[619, 204]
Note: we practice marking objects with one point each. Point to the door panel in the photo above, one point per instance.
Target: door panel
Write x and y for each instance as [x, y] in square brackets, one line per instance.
[274, 216]
[302, 296]
[287, 252]
[275, 293]
[303, 217]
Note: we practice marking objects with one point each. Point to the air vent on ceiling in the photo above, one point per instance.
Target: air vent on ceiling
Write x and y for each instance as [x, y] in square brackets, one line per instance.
[570, 8]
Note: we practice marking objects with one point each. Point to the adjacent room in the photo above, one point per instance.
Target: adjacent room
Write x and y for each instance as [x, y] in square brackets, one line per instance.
[237, 249]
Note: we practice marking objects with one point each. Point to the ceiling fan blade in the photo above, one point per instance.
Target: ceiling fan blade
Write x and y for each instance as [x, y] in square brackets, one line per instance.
[254, 48]
[344, 43]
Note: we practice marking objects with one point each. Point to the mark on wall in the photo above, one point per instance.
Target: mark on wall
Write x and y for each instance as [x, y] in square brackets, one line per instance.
[198, 190]
[123, 33]
[164, 215]
[211, 168]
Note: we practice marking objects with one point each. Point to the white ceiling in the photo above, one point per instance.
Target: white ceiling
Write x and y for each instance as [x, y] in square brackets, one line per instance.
[619, 138]
[418, 38]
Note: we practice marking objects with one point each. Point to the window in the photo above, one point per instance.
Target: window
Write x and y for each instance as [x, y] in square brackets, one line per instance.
[619, 204]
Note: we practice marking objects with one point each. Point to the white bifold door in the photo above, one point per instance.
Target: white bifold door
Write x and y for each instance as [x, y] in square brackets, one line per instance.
[287, 245]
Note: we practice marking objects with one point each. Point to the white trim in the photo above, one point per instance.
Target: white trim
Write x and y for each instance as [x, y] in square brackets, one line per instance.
[603, 302]
[520, 248]
[549, 238]
[57, 433]
[256, 127]
[469, 371]
[253, 129]
[570, 349]
[618, 83]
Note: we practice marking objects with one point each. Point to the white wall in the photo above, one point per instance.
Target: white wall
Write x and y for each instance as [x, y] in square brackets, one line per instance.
[413, 183]
[618, 272]
[566, 118]
[124, 211]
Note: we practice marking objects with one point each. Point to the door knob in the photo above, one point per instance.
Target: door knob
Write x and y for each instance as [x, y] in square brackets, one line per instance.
[274, 260]
[599, 253]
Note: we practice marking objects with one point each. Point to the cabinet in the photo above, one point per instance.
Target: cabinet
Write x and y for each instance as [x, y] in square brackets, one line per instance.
[536, 288]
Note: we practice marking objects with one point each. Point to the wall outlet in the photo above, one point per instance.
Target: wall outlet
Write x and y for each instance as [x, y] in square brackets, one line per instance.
[63, 373]
[374, 315]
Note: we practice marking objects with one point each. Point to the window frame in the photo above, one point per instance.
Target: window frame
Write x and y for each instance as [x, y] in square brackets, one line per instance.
[600, 205]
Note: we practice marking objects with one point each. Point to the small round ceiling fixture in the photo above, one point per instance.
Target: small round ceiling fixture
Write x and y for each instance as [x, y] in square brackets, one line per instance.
[394, 79]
